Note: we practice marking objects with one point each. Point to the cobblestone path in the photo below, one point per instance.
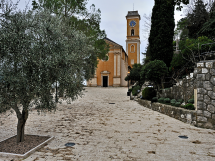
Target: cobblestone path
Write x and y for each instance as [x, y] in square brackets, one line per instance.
[124, 131]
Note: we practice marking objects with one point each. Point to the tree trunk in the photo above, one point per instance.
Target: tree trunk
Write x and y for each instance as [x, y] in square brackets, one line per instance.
[21, 126]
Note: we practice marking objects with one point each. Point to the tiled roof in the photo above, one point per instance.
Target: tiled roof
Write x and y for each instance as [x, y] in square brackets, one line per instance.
[133, 13]
[111, 41]
[114, 43]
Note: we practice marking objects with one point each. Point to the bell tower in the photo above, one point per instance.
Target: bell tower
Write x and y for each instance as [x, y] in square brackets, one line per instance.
[133, 38]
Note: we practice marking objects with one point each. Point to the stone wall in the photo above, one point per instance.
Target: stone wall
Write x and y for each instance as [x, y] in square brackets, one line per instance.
[203, 81]
[205, 75]
[187, 116]
[184, 89]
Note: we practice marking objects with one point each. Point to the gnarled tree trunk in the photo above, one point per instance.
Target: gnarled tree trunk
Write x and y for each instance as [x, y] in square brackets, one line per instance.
[22, 118]
[21, 126]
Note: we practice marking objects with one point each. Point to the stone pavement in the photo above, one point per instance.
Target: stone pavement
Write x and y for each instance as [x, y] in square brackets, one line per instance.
[124, 131]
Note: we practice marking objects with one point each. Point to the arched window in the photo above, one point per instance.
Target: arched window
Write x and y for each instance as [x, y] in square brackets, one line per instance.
[132, 32]
[132, 49]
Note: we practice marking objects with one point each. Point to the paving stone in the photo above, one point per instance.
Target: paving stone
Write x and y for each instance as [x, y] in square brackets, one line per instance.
[125, 131]
[68, 156]
[49, 154]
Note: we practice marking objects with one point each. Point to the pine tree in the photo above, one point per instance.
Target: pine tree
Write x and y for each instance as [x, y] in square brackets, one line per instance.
[197, 18]
[162, 31]
[208, 28]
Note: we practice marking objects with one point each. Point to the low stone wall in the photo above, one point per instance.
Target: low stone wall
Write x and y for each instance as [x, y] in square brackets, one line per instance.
[186, 116]
[196, 118]
[184, 89]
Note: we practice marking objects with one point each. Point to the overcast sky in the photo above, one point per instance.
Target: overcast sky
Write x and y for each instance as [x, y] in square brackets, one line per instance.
[113, 19]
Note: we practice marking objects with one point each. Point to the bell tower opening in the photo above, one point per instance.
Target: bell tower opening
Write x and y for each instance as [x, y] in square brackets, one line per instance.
[132, 32]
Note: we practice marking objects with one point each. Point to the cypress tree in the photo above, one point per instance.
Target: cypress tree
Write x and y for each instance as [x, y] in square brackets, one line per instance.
[162, 31]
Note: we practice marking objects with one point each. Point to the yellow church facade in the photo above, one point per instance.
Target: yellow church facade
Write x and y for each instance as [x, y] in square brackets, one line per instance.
[113, 70]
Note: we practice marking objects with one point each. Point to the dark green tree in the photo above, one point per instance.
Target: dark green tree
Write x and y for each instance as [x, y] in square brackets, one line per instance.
[147, 55]
[135, 73]
[197, 18]
[178, 3]
[162, 31]
[154, 72]
[208, 28]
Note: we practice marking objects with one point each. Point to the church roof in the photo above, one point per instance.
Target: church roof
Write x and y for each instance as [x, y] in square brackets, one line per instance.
[114, 43]
[133, 13]
[111, 41]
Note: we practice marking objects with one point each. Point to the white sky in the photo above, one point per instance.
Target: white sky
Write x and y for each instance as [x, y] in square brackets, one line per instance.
[113, 19]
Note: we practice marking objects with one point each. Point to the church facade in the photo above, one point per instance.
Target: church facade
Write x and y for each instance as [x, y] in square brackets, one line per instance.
[114, 68]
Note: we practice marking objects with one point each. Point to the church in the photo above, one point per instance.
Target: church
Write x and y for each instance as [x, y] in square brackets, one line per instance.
[112, 70]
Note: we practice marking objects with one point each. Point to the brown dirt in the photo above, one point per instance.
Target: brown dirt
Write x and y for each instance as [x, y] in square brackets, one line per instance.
[30, 142]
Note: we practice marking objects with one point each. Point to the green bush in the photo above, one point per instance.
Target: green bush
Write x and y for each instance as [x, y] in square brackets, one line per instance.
[189, 106]
[161, 100]
[148, 93]
[154, 71]
[190, 101]
[167, 100]
[154, 99]
[180, 100]
[173, 101]
[177, 104]
[130, 89]
[135, 90]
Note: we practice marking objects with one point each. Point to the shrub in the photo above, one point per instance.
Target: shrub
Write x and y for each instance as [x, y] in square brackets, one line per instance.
[135, 90]
[167, 100]
[180, 100]
[154, 71]
[154, 99]
[161, 100]
[177, 104]
[190, 101]
[173, 101]
[189, 106]
[130, 89]
[148, 93]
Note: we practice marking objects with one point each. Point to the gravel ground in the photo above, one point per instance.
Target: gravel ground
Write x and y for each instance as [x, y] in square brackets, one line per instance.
[123, 131]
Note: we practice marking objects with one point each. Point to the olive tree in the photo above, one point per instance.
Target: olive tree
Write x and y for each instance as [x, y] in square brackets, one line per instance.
[38, 49]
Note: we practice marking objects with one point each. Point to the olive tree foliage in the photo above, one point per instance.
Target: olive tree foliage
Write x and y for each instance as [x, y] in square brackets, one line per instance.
[79, 16]
[36, 50]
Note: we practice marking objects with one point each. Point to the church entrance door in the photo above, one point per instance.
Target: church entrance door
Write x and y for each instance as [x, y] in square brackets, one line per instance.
[105, 81]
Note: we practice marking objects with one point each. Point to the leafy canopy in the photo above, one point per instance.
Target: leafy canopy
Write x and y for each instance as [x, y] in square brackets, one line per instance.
[154, 71]
[80, 18]
[37, 50]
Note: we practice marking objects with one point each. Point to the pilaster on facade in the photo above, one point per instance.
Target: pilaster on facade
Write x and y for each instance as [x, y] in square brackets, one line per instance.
[114, 64]
[118, 64]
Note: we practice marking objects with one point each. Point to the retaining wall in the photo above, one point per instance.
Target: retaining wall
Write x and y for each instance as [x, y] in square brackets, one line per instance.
[203, 81]
[187, 116]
